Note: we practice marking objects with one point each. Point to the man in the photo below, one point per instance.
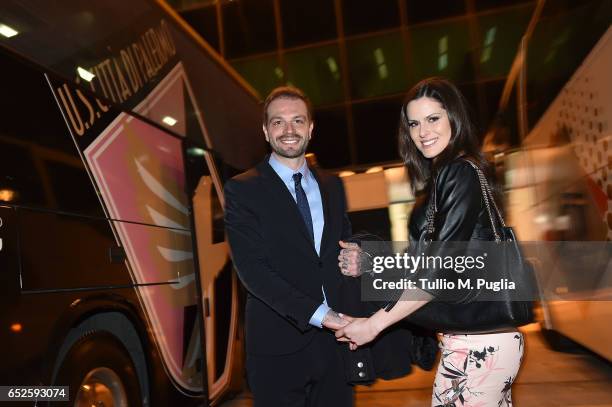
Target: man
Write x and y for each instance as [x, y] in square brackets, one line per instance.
[284, 221]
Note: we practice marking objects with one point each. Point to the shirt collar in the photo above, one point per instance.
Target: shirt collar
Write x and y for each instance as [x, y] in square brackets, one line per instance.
[286, 173]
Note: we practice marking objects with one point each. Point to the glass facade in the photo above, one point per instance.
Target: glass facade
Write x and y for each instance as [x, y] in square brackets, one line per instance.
[442, 49]
[357, 58]
[307, 22]
[317, 72]
[248, 27]
[263, 73]
[360, 17]
[377, 65]
[501, 36]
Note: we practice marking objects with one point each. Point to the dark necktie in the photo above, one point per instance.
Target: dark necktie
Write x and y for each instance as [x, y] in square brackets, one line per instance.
[302, 204]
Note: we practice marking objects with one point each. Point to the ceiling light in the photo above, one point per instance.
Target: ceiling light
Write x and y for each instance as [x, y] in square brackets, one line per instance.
[170, 121]
[7, 31]
[443, 53]
[443, 45]
[333, 67]
[488, 44]
[490, 37]
[442, 62]
[383, 72]
[85, 74]
[197, 151]
[379, 56]
[486, 55]
[331, 63]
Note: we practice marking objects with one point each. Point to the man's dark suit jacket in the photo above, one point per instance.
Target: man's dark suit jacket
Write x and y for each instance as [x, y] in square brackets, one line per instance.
[283, 274]
[276, 258]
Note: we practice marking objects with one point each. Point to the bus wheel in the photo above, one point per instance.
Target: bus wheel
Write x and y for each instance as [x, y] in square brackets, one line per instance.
[560, 343]
[99, 372]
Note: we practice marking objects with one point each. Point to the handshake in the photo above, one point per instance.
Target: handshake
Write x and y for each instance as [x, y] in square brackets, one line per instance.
[354, 331]
[335, 321]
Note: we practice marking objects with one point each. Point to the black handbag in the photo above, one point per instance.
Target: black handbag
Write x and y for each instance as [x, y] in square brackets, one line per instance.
[477, 315]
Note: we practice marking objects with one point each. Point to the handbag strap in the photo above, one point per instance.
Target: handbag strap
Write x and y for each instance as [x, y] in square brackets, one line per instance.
[431, 213]
[487, 196]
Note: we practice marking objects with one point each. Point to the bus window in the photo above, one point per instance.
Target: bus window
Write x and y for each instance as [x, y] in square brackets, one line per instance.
[18, 183]
[39, 159]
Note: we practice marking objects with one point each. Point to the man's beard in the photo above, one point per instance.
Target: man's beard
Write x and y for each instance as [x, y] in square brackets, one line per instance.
[291, 153]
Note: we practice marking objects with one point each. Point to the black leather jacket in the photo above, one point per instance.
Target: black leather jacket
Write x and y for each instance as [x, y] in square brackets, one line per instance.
[461, 216]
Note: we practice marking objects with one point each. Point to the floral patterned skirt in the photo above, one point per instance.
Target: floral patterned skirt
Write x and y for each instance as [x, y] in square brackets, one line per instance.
[477, 370]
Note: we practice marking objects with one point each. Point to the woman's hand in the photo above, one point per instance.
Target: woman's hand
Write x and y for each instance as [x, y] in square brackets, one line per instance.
[358, 333]
[348, 260]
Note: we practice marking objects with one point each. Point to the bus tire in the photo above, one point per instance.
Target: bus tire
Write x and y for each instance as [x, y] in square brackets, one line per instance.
[559, 342]
[95, 358]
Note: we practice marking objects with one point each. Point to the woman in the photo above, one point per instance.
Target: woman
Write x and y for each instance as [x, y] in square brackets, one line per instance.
[436, 135]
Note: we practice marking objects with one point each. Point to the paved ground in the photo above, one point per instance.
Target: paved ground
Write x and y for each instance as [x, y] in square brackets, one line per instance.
[547, 378]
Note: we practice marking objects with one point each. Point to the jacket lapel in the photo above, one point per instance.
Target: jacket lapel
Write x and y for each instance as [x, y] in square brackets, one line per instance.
[279, 193]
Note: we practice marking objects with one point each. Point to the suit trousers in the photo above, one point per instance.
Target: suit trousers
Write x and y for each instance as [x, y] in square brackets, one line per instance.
[311, 377]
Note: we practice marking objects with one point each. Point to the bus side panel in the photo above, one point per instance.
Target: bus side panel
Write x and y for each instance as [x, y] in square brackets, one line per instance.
[563, 183]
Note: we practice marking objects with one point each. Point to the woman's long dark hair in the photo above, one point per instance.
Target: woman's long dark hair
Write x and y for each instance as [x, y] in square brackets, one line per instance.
[463, 141]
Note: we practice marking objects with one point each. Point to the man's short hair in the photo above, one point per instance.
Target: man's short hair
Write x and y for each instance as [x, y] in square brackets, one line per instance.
[288, 92]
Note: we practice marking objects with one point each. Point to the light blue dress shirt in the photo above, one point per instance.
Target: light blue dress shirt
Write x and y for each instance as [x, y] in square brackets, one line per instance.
[313, 194]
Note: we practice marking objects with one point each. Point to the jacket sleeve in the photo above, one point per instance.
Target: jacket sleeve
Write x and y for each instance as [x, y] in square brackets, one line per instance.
[254, 269]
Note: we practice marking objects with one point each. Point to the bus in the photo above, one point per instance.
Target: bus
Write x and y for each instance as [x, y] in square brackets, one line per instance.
[118, 126]
[559, 197]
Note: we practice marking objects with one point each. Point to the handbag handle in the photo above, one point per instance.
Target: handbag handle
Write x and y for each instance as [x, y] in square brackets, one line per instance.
[487, 196]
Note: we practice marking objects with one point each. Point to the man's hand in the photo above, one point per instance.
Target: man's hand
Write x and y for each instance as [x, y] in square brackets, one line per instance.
[349, 259]
[335, 321]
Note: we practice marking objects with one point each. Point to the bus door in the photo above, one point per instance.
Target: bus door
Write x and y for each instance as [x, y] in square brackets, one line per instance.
[218, 281]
